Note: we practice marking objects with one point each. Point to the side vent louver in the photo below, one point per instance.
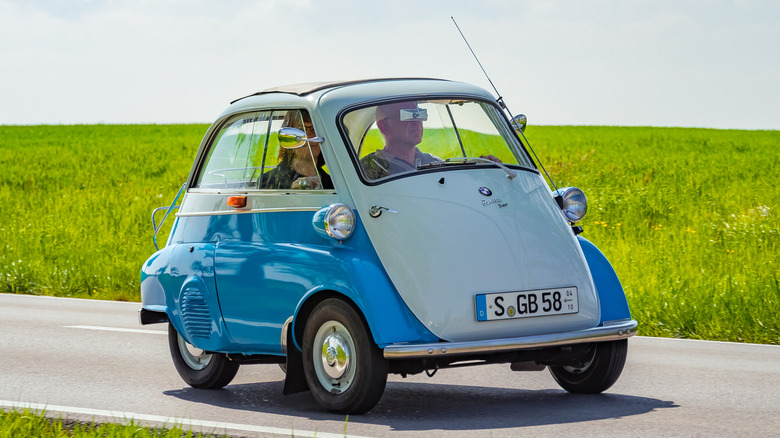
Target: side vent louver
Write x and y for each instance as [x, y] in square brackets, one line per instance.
[195, 313]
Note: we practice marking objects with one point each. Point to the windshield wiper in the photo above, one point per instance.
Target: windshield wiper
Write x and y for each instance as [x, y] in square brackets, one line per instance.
[433, 164]
[469, 160]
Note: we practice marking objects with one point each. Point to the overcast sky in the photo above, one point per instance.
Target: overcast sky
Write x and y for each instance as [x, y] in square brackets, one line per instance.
[613, 62]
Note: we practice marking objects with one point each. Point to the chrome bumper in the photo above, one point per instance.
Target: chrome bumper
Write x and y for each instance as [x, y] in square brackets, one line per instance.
[608, 332]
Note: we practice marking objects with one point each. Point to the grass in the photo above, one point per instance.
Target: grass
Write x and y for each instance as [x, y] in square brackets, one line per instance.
[26, 423]
[688, 217]
[75, 204]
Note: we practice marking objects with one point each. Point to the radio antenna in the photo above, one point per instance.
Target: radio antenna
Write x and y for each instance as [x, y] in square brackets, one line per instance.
[500, 101]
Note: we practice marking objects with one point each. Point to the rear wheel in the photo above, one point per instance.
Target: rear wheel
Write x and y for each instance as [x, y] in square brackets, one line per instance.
[345, 370]
[599, 369]
[198, 368]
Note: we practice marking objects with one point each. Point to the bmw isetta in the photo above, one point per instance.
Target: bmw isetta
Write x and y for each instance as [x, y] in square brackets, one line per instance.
[348, 230]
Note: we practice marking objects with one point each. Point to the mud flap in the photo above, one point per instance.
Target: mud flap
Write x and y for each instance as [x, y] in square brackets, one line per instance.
[295, 380]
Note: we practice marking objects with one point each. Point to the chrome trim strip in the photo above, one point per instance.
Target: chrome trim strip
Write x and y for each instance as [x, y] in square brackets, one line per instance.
[615, 331]
[285, 330]
[252, 210]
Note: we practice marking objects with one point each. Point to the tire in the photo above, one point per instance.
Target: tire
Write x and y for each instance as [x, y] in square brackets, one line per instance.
[345, 370]
[597, 372]
[198, 368]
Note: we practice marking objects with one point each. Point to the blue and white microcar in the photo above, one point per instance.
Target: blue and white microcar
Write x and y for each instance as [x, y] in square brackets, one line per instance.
[348, 230]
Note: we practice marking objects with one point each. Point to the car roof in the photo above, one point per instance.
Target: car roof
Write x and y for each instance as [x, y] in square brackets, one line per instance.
[307, 88]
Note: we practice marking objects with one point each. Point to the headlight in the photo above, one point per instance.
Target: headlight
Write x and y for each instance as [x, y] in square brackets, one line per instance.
[574, 204]
[336, 221]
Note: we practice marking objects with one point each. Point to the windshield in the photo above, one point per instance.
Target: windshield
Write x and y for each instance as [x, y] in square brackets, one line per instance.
[405, 137]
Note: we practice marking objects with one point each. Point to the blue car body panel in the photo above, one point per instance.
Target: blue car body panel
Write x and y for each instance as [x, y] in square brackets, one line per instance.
[154, 280]
[614, 306]
[259, 271]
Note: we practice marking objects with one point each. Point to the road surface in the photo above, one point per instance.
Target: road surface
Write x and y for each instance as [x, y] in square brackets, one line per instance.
[85, 360]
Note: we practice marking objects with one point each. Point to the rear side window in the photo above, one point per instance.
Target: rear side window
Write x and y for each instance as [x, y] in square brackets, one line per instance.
[246, 155]
[235, 159]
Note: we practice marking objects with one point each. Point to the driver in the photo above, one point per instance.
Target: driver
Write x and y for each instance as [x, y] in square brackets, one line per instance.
[401, 125]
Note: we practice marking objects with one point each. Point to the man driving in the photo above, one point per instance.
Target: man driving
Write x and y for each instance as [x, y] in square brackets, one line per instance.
[401, 125]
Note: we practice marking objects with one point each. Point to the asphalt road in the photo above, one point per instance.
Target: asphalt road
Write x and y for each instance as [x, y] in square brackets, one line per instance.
[86, 360]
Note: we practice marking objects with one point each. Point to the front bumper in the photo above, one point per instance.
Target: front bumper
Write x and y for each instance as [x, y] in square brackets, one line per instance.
[608, 332]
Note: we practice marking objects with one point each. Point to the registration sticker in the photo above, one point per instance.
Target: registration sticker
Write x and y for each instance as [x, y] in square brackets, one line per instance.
[525, 304]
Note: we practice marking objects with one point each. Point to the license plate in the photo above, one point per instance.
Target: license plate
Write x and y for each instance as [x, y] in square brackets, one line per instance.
[526, 304]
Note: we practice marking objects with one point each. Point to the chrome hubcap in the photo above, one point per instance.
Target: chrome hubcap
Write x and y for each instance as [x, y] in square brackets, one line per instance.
[335, 355]
[335, 367]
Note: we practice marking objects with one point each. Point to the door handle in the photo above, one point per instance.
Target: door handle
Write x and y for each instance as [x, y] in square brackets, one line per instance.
[375, 211]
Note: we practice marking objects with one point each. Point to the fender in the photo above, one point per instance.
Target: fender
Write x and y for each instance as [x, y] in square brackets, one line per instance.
[154, 282]
[611, 295]
[191, 302]
[356, 277]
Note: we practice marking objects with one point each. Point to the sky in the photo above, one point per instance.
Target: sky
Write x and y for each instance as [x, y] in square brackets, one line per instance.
[688, 63]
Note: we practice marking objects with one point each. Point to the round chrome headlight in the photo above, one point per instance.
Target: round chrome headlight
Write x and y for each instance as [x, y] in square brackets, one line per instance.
[336, 221]
[574, 205]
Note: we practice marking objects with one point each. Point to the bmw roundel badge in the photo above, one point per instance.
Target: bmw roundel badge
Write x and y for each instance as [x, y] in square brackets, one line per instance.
[485, 191]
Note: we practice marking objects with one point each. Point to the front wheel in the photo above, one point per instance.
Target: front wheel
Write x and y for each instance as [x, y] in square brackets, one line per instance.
[599, 369]
[197, 367]
[345, 370]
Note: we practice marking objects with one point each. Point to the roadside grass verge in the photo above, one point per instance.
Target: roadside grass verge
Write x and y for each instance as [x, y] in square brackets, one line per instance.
[688, 217]
[26, 423]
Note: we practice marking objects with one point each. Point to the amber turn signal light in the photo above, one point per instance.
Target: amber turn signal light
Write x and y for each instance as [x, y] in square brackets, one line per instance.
[237, 201]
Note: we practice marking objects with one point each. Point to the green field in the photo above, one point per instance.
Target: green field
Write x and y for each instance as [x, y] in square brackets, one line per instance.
[689, 217]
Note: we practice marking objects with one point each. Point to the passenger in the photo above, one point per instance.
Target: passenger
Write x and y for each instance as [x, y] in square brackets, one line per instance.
[402, 135]
[299, 168]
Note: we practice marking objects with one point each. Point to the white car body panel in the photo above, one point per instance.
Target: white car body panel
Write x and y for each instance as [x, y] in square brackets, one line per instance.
[468, 244]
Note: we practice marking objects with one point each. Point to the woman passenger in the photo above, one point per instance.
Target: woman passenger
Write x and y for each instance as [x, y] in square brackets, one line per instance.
[299, 168]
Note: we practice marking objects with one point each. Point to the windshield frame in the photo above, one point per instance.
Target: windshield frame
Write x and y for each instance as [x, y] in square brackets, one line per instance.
[516, 145]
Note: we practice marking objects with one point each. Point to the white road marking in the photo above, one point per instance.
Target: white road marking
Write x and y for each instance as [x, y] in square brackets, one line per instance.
[705, 341]
[206, 426]
[117, 329]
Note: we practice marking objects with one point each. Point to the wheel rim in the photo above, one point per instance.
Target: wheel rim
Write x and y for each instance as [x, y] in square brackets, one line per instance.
[334, 366]
[195, 358]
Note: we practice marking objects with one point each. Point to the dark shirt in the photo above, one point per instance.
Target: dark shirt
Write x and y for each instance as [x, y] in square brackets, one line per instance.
[283, 175]
[381, 163]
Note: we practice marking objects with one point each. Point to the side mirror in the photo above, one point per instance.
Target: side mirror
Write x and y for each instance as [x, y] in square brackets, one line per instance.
[291, 138]
[519, 122]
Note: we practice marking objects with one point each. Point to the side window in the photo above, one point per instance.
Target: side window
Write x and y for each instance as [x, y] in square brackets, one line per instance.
[295, 168]
[235, 158]
[246, 155]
